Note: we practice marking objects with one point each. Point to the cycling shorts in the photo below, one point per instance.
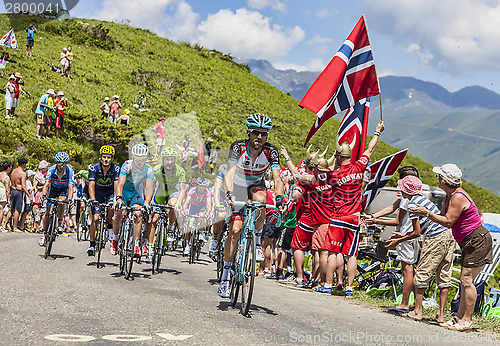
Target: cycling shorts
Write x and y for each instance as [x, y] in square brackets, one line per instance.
[162, 199]
[102, 197]
[133, 197]
[56, 193]
[195, 210]
[243, 194]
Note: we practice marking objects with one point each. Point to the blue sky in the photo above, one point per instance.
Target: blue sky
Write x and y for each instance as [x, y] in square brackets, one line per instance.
[450, 42]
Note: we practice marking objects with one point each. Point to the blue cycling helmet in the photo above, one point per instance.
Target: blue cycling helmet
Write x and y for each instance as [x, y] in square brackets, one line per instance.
[259, 120]
[61, 157]
[202, 182]
[140, 150]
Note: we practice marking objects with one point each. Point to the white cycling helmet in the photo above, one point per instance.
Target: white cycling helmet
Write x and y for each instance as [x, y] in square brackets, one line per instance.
[140, 150]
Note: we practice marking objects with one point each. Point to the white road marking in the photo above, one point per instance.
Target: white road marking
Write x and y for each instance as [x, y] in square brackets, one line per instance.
[172, 337]
[70, 338]
[127, 337]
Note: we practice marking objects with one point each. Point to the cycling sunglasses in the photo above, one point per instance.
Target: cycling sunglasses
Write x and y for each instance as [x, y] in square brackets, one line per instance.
[258, 132]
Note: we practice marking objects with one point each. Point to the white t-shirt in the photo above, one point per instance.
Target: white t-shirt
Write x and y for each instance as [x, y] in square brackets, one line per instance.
[29, 186]
[405, 226]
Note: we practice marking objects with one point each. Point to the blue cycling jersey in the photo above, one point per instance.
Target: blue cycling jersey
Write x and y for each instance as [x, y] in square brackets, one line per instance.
[104, 182]
[60, 182]
[134, 179]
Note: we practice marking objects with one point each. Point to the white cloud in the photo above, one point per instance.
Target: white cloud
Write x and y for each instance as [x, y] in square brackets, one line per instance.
[277, 5]
[247, 34]
[449, 34]
[325, 13]
[314, 65]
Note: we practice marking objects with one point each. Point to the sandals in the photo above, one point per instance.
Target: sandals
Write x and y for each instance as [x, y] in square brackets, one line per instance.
[467, 326]
[450, 323]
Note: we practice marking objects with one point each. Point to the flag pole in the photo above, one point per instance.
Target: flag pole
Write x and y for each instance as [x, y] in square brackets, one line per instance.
[374, 66]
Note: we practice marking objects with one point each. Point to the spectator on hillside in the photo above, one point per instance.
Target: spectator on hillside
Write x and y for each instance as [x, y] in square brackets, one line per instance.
[17, 93]
[160, 135]
[207, 151]
[18, 192]
[50, 115]
[38, 208]
[59, 105]
[64, 61]
[30, 39]
[114, 108]
[105, 108]
[41, 111]
[4, 191]
[213, 159]
[9, 95]
[69, 61]
[124, 118]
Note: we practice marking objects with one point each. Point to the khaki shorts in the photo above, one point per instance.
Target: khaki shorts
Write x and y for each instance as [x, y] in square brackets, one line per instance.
[477, 248]
[319, 236]
[40, 119]
[436, 257]
[160, 141]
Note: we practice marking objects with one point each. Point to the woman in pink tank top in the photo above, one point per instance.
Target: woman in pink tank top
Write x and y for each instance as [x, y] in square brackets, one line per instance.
[460, 214]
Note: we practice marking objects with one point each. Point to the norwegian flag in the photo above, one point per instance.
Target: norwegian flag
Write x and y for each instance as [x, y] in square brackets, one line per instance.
[354, 127]
[349, 77]
[381, 172]
[9, 40]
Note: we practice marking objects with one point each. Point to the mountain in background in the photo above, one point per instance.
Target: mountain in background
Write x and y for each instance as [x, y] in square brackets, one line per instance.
[440, 126]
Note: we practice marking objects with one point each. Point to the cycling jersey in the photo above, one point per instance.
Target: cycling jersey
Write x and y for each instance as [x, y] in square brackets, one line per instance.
[104, 182]
[171, 183]
[198, 201]
[60, 182]
[247, 172]
[134, 179]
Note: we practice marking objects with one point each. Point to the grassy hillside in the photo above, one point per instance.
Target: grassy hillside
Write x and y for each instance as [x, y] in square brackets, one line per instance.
[181, 78]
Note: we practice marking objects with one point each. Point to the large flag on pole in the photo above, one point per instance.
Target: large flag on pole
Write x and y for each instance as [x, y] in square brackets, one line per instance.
[201, 155]
[349, 77]
[354, 127]
[9, 40]
[381, 172]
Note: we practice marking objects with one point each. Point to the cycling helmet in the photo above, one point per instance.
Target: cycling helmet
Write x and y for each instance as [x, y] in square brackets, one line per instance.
[140, 150]
[168, 152]
[151, 158]
[202, 181]
[107, 149]
[259, 120]
[61, 157]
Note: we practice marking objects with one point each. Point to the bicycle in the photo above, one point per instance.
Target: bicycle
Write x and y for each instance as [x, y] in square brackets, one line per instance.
[244, 264]
[82, 230]
[51, 234]
[220, 249]
[126, 241]
[102, 231]
[160, 244]
[195, 240]
[142, 100]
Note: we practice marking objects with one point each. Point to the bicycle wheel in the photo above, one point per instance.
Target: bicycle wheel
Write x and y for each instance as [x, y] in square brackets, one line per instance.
[50, 236]
[100, 240]
[235, 286]
[220, 253]
[157, 248]
[80, 228]
[248, 274]
[129, 248]
[192, 249]
[121, 247]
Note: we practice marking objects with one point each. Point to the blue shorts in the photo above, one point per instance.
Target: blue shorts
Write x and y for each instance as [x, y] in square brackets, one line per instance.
[56, 193]
[133, 197]
[17, 199]
[102, 198]
[194, 210]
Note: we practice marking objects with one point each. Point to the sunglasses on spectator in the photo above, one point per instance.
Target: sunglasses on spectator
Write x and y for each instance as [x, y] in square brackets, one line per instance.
[258, 132]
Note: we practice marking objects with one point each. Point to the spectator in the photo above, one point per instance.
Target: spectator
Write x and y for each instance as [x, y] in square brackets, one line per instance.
[59, 105]
[41, 111]
[17, 93]
[41, 173]
[38, 208]
[18, 191]
[185, 151]
[69, 61]
[207, 151]
[213, 159]
[160, 135]
[30, 39]
[4, 192]
[460, 214]
[105, 108]
[114, 108]
[50, 115]
[27, 200]
[64, 61]
[124, 118]
[10, 90]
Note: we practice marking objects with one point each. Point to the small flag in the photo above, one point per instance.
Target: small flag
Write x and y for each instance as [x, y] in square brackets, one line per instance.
[354, 127]
[201, 156]
[9, 40]
[381, 172]
[349, 77]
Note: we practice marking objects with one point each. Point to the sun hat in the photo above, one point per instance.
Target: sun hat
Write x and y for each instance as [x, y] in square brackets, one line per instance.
[106, 98]
[18, 75]
[162, 118]
[410, 185]
[29, 173]
[210, 139]
[126, 111]
[50, 92]
[12, 76]
[450, 172]
[60, 93]
[115, 97]
[65, 49]
[43, 164]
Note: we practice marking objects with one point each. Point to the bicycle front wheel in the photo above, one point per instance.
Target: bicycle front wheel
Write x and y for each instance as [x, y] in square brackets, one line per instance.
[100, 240]
[157, 248]
[248, 275]
[192, 249]
[50, 236]
[129, 248]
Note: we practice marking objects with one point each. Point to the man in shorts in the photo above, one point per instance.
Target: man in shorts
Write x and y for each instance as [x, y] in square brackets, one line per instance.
[160, 135]
[30, 39]
[41, 113]
[18, 192]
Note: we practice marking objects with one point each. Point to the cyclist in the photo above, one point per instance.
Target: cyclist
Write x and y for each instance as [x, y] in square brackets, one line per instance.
[135, 187]
[170, 189]
[59, 183]
[198, 202]
[103, 181]
[219, 210]
[247, 163]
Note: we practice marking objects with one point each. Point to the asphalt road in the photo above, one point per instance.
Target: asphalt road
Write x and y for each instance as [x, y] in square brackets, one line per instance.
[66, 299]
